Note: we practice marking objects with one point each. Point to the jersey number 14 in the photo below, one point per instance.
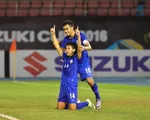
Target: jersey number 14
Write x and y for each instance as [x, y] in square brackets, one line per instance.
[72, 95]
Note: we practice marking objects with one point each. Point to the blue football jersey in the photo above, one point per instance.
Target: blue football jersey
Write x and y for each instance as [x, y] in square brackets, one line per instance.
[85, 58]
[70, 69]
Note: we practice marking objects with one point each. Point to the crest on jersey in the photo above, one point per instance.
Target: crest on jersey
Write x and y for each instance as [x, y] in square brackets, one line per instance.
[71, 61]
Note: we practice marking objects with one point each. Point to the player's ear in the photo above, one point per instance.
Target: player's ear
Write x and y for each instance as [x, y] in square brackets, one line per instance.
[72, 27]
[74, 50]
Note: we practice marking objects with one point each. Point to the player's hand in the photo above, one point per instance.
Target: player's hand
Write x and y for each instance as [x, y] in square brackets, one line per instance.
[52, 30]
[77, 31]
[80, 48]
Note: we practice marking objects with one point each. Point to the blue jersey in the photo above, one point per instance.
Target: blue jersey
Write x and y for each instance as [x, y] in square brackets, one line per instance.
[85, 58]
[69, 76]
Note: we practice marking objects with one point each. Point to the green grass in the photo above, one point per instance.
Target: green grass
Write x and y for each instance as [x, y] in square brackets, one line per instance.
[37, 101]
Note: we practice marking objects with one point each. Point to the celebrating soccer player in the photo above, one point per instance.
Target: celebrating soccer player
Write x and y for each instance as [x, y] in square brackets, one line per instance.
[69, 80]
[84, 66]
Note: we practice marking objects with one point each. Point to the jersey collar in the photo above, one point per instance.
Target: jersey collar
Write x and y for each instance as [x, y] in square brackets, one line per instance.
[73, 36]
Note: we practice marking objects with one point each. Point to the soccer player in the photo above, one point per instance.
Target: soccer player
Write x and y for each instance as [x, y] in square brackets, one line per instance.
[69, 79]
[84, 66]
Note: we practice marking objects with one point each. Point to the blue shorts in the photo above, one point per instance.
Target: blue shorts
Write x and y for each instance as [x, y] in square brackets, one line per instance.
[84, 71]
[68, 94]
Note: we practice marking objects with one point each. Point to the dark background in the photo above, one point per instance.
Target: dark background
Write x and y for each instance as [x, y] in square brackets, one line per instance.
[117, 27]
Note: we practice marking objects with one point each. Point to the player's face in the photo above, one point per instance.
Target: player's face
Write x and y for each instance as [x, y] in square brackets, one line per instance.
[68, 30]
[69, 50]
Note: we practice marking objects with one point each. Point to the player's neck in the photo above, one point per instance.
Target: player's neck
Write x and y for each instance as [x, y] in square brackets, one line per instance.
[72, 34]
[71, 55]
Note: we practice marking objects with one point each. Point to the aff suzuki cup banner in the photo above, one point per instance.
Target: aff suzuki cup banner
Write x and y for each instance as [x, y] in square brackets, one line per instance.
[102, 32]
[104, 63]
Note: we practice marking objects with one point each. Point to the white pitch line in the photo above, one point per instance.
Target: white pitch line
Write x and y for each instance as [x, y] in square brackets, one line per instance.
[8, 117]
[118, 91]
[112, 90]
[21, 82]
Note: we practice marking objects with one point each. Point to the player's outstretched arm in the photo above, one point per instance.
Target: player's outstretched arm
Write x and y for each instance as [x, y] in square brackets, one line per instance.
[79, 49]
[55, 41]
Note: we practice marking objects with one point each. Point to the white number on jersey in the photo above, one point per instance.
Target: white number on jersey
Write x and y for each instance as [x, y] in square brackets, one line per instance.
[88, 70]
[72, 96]
[66, 65]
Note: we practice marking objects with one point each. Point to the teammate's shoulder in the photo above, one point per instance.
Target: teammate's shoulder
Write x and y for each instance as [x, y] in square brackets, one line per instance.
[82, 34]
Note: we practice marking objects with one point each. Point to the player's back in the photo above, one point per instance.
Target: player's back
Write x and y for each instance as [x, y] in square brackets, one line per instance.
[69, 75]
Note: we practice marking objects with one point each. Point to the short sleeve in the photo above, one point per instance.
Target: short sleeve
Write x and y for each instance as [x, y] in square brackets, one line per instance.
[64, 56]
[83, 39]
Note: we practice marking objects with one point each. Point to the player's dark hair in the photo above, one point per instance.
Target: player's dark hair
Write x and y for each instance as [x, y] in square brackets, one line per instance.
[74, 46]
[68, 22]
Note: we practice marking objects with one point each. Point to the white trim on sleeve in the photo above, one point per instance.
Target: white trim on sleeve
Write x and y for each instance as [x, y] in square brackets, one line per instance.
[85, 41]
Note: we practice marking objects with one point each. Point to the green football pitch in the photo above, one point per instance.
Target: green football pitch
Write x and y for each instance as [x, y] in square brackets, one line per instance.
[36, 100]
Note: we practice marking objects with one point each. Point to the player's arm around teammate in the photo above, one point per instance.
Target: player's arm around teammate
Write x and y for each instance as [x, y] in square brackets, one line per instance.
[87, 45]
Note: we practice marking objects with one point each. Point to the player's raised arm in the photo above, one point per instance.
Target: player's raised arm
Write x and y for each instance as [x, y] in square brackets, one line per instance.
[55, 41]
[86, 43]
[80, 49]
[53, 34]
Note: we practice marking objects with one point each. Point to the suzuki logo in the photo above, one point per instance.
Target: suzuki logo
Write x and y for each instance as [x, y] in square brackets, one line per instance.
[34, 60]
